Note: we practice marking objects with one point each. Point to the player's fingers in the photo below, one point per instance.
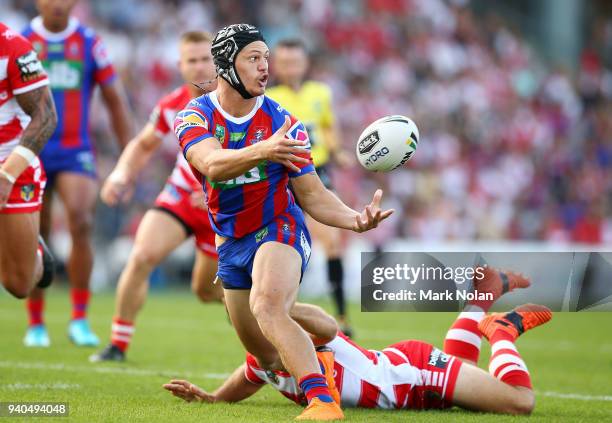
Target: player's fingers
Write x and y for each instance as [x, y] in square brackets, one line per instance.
[296, 159]
[290, 165]
[369, 215]
[386, 214]
[284, 128]
[377, 196]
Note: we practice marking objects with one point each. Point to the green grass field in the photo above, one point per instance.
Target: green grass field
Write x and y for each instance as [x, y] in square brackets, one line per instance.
[570, 360]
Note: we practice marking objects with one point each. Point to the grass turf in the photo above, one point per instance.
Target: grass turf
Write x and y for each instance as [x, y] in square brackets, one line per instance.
[178, 337]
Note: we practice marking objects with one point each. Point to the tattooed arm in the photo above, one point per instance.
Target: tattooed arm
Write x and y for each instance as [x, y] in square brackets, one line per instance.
[38, 104]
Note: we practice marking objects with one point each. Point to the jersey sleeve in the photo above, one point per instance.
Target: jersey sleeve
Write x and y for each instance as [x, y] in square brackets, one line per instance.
[249, 373]
[156, 118]
[104, 72]
[25, 71]
[328, 118]
[191, 126]
[298, 132]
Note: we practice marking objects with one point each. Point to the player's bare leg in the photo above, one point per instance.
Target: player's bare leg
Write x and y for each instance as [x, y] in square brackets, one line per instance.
[463, 339]
[203, 278]
[276, 276]
[157, 236]
[36, 334]
[331, 240]
[20, 264]
[507, 387]
[78, 193]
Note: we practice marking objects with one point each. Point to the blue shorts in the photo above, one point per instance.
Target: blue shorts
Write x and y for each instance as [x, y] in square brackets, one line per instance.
[236, 255]
[67, 160]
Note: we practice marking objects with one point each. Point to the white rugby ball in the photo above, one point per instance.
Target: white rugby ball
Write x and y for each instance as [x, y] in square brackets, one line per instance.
[387, 143]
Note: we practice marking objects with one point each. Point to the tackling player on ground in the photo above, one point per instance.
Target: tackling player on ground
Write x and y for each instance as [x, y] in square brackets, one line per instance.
[249, 148]
[179, 210]
[76, 61]
[27, 119]
[311, 102]
[413, 374]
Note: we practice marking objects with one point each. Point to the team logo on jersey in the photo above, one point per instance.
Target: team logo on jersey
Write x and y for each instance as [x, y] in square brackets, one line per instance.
[220, 133]
[74, 49]
[38, 47]
[438, 359]
[285, 227]
[259, 134]
[29, 66]
[259, 236]
[27, 192]
[9, 34]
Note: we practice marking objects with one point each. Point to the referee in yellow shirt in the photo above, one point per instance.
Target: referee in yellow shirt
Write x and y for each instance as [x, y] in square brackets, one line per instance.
[311, 103]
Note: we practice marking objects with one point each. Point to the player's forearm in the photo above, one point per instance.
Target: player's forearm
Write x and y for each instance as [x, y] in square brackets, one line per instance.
[236, 387]
[325, 207]
[222, 164]
[117, 106]
[38, 104]
[133, 159]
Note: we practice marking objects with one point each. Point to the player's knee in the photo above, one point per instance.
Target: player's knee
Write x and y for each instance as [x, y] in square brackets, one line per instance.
[206, 294]
[144, 258]
[524, 403]
[81, 224]
[17, 283]
[266, 308]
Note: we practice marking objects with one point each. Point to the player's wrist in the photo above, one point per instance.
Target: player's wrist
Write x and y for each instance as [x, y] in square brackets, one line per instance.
[119, 176]
[6, 175]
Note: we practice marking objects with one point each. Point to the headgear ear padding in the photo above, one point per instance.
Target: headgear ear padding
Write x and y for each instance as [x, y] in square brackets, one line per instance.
[228, 42]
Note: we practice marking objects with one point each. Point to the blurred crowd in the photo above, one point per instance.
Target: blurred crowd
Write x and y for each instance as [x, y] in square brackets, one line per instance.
[511, 146]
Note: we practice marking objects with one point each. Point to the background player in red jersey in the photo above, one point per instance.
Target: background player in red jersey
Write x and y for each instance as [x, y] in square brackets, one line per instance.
[413, 374]
[27, 119]
[76, 61]
[263, 242]
[179, 210]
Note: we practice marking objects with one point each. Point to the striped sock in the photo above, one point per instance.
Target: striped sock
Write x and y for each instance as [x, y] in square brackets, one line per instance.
[35, 311]
[506, 363]
[463, 339]
[121, 333]
[315, 386]
[80, 301]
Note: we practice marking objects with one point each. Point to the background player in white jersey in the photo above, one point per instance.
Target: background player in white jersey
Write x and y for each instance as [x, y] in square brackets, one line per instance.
[413, 374]
[27, 119]
[179, 210]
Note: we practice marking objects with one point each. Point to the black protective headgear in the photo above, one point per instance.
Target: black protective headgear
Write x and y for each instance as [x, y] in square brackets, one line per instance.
[225, 47]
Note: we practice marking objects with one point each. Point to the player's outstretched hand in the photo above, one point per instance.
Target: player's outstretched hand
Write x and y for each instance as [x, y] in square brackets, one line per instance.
[188, 391]
[283, 150]
[117, 188]
[372, 215]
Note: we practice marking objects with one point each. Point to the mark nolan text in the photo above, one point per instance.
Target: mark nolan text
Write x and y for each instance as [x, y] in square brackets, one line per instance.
[431, 295]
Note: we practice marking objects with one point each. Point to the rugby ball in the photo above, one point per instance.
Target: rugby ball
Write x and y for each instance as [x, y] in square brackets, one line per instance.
[387, 143]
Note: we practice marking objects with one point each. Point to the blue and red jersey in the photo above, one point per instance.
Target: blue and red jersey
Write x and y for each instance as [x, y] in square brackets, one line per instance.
[249, 202]
[75, 60]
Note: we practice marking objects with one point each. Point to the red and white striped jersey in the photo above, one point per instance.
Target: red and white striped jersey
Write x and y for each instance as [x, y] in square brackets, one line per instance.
[365, 378]
[162, 118]
[20, 72]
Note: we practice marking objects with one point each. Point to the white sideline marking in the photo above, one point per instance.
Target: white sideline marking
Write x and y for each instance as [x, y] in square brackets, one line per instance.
[40, 386]
[113, 370]
[575, 396]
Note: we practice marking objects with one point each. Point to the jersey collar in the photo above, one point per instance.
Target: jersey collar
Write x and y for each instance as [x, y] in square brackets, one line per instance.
[39, 28]
[233, 119]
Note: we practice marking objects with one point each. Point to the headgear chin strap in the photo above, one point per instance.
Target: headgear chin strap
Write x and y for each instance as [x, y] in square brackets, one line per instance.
[228, 42]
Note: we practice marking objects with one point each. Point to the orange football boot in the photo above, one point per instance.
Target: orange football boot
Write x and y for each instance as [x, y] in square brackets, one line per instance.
[516, 322]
